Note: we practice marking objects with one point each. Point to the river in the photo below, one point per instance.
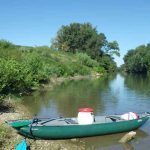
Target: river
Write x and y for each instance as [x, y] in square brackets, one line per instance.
[115, 94]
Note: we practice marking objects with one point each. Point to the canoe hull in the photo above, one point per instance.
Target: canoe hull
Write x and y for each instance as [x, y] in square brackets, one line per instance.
[75, 131]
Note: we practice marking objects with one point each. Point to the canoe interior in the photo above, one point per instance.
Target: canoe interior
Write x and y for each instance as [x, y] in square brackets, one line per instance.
[65, 121]
[62, 128]
[73, 121]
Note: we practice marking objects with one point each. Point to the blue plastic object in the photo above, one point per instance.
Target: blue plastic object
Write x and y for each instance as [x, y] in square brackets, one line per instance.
[22, 146]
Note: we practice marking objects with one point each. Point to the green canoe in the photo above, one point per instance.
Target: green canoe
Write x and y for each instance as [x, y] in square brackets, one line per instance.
[62, 128]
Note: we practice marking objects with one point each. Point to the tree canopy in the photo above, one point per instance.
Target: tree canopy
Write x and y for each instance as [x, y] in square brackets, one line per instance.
[78, 37]
[138, 60]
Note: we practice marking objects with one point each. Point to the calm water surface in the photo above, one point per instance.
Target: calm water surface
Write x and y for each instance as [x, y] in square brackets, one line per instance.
[113, 95]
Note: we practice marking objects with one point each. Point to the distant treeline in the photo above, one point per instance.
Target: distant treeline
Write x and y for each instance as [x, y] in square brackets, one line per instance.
[138, 60]
[78, 49]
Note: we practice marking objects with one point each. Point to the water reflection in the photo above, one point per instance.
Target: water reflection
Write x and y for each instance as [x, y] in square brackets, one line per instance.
[138, 83]
[67, 98]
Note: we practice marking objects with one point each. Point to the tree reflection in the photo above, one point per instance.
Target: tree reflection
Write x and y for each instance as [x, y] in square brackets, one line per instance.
[138, 83]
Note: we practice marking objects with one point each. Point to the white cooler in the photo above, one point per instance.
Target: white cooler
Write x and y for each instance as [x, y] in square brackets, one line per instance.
[85, 116]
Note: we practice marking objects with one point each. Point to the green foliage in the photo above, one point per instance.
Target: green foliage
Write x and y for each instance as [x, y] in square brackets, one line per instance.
[6, 44]
[100, 70]
[84, 59]
[84, 38]
[138, 60]
[23, 68]
[107, 63]
[15, 76]
[113, 48]
[33, 62]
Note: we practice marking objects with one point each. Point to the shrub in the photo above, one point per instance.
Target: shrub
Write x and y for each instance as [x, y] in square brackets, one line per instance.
[84, 59]
[15, 77]
[99, 70]
[6, 44]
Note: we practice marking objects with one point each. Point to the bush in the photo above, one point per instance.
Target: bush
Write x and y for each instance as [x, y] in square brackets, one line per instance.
[100, 70]
[6, 44]
[84, 59]
[15, 77]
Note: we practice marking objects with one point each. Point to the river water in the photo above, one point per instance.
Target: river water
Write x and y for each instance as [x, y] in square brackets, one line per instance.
[115, 94]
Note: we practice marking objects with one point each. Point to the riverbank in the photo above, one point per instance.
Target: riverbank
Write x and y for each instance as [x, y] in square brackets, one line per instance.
[9, 138]
[55, 80]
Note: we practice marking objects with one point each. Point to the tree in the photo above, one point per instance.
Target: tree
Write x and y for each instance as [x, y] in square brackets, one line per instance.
[5, 44]
[84, 38]
[138, 59]
[107, 62]
[113, 48]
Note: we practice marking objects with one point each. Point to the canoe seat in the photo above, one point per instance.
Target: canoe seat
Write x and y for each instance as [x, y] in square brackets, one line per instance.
[114, 118]
[70, 121]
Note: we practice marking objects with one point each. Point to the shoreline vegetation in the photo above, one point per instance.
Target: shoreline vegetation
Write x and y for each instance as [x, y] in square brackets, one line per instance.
[25, 70]
[137, 61]
[77, 50]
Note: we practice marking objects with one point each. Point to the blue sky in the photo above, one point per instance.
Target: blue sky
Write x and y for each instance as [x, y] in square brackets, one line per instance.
[36, 22]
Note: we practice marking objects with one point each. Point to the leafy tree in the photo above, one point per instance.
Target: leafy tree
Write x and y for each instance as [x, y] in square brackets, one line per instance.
[113, 48]
[138, 59]
[5, 44]
[107, 63]
[84, 38]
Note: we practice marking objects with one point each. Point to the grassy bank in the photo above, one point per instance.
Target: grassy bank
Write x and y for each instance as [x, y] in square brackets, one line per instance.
[23, 69]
